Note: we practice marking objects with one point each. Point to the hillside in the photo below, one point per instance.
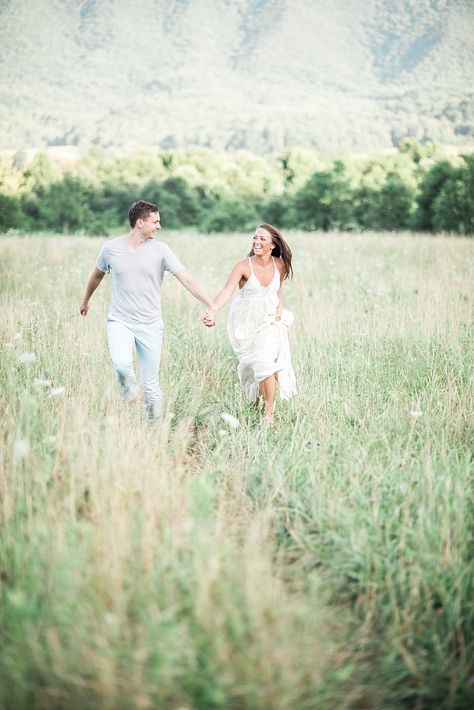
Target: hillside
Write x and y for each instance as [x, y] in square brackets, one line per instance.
[341, 75]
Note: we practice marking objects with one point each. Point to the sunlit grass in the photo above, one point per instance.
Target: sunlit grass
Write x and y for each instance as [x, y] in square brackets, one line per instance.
[325, 563]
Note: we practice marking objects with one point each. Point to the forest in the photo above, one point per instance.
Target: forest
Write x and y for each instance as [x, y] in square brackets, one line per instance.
[418, 187]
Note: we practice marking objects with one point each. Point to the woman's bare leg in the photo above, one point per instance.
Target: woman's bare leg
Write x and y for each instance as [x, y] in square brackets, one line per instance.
[267, 388]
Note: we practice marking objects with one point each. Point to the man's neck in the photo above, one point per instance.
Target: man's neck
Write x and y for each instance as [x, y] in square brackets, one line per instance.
[135, 238]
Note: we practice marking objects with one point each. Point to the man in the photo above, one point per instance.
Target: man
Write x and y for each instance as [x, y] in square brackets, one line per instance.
[137, 263]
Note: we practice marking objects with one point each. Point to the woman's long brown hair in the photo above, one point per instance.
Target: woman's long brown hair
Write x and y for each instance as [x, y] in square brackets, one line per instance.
[281, 248]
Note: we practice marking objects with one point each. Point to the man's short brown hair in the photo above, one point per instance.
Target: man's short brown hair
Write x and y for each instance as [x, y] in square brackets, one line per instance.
[140, 210]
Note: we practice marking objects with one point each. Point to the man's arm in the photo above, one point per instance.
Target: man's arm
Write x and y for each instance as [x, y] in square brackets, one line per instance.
[94, 280]
[189, 282]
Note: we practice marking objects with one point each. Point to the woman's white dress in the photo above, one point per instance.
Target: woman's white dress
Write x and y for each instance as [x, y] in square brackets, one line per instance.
[259, 341]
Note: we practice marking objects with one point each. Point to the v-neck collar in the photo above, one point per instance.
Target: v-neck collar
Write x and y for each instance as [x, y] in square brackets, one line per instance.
[258, 280]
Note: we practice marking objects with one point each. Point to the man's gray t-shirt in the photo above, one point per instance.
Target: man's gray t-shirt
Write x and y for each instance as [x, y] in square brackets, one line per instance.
[136, 278]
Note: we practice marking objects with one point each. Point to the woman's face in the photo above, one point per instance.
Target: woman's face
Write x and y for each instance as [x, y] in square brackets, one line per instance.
[262, 242]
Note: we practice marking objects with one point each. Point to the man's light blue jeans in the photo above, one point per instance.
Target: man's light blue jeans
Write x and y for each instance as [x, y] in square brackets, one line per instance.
[147, 340]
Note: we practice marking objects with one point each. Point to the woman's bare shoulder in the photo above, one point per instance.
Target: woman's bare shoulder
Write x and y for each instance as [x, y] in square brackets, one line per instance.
[243, 266]
[280, 265]
[240, 270]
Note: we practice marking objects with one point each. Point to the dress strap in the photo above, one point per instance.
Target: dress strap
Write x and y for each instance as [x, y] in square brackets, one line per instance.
[250, 262]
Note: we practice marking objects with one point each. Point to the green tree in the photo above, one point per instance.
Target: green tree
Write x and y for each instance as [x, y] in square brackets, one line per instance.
[393, 205]
[61, 207]
[363, 198]
[10, 177]
[453, 208]
[297, 165]
[178, 203]
[41, 173]
[430, 187]
[10, 214]
[278, 211]
[325, 201]
[230, 216]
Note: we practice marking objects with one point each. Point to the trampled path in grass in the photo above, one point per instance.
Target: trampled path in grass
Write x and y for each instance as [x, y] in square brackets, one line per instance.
[324, 563]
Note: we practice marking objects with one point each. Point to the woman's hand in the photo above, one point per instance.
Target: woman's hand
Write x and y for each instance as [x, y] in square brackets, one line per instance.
[278, 313]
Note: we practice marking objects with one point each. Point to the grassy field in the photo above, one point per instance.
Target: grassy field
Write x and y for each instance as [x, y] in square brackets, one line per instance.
[326, 563]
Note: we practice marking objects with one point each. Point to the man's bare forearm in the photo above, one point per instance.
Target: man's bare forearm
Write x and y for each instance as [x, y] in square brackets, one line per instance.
[94, 281]
[192, 285]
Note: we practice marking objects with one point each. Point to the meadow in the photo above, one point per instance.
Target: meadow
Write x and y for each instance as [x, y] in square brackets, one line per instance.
[325, 563]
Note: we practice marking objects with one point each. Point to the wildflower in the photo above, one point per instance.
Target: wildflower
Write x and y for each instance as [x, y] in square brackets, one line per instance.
[230, 420]
[17, 336]
[21, 449]
[223, 432]
[416, 413]
[39, 383]
[57, 391]
[8, 345]
[27, 357]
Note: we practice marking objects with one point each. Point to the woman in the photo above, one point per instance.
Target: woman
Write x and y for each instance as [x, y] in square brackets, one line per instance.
[258, 326]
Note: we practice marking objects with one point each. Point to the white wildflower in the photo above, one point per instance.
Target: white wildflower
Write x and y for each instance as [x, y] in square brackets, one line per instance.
[50, 440]
[17, 336]
[415, 413]
[57, 391]
[39, 383]
[21, 448]
[230, 420]
[8, 345]
[223, 432]
[27, 357]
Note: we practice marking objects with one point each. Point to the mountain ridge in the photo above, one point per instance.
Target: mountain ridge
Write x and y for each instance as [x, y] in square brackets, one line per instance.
[255, 74]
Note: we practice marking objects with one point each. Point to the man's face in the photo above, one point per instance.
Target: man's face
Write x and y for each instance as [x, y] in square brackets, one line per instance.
[150, 225]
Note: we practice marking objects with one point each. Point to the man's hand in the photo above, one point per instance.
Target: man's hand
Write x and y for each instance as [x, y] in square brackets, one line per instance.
[84, 308]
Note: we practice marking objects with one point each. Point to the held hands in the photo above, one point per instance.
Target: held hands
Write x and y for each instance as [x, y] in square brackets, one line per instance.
[209, 318]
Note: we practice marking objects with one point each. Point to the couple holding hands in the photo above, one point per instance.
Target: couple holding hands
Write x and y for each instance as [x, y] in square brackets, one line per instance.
[257, 325]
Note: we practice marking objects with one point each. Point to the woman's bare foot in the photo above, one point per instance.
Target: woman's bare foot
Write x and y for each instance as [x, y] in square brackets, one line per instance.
[270, 409]
[269, 421]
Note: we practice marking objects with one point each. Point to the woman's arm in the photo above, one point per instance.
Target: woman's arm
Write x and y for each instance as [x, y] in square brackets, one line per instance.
[280, 303]
[281, 269]
[223, 296]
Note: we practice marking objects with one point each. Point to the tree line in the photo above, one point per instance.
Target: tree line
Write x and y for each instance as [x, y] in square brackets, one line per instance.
[417, 187]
